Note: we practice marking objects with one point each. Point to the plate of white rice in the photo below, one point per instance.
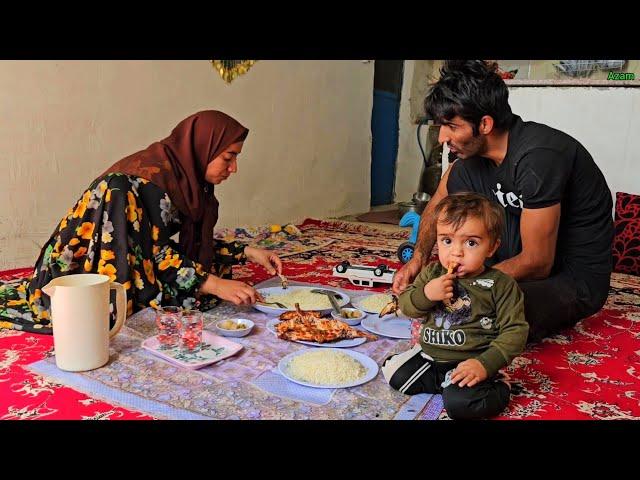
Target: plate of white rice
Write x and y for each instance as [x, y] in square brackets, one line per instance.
[298, 294]
[373, 303]
[328, 368]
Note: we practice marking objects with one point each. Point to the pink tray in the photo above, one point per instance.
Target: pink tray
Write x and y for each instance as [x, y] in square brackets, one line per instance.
[214, 348]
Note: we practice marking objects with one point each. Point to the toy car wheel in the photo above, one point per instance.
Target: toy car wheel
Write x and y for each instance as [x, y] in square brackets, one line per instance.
[378, 271]
[342, 267]
[405, 252]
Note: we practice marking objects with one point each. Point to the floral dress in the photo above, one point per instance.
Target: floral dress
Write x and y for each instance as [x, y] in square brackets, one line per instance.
[120, 227]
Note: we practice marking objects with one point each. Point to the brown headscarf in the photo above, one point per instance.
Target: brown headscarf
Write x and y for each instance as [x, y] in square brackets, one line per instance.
[177, 164]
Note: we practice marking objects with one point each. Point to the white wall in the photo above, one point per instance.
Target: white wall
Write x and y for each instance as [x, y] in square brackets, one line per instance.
[605, 120]
[64, 122]
[409, 162]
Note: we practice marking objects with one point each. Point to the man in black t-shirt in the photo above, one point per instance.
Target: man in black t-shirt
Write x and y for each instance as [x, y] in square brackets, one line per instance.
[558, 207]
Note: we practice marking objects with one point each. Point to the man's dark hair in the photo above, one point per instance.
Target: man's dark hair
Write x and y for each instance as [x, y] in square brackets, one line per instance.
[455, 208]
[470, 89]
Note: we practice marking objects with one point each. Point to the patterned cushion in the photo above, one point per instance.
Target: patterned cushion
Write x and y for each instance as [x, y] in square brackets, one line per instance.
[626, 244]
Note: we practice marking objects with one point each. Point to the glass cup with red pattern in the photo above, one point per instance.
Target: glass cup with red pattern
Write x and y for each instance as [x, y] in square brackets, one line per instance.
[169, 323]
[191, 333]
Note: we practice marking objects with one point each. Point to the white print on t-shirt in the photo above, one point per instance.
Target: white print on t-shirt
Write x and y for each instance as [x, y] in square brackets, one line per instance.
[443, 337]
[509, 198]
[485, 322]
[483, 282]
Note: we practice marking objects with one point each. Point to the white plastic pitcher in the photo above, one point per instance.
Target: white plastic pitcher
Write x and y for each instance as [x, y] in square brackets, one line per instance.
[80, 319]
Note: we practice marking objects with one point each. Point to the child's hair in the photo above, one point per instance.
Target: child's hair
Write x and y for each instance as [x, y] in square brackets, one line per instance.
[456, 207]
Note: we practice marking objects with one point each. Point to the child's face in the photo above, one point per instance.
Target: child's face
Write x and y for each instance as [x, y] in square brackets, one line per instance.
[469, 246]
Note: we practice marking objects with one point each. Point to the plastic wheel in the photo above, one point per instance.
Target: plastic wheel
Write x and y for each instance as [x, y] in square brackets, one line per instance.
[342, 267]
[405, 252]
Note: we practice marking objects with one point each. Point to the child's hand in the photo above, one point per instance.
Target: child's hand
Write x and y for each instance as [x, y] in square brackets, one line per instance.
[440, 288]
[469, 373]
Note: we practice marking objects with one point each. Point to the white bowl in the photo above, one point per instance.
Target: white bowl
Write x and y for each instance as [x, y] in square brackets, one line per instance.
[349, 321]
[234, 333]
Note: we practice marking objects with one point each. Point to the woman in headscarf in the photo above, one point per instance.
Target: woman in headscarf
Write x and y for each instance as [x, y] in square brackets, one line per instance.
[123, 223]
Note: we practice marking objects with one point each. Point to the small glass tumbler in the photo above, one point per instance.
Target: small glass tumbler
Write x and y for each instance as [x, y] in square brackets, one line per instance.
[169, 322]
[191, 335]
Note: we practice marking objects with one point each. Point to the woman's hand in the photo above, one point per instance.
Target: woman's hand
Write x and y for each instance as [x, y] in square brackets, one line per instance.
[269, 260]
[238, 293]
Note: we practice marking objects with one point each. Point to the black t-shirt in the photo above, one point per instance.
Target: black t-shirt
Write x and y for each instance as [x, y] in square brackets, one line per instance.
[543, 167]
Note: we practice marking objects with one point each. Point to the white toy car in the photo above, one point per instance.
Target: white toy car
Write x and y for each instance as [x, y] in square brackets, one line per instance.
[363, 275]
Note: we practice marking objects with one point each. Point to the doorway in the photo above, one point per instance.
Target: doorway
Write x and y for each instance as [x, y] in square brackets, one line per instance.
[387, 89]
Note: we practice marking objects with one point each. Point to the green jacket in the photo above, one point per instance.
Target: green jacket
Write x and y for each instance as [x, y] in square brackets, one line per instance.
[486, 322]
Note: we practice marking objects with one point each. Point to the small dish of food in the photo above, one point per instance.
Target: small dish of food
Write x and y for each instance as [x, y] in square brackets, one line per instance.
[234, 327]
[350, 316]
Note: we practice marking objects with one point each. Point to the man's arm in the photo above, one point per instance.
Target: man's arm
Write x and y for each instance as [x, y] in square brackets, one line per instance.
[425, 241]
[539, 233]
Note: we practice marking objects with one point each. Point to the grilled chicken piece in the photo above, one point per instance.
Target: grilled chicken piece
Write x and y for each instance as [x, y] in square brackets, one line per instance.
[391, 307]
[298, 314]
[311, 327]
[342, 329]
[321, 331]
[452, 268]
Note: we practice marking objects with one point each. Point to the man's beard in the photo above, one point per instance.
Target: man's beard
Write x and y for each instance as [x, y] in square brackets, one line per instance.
[473, 148]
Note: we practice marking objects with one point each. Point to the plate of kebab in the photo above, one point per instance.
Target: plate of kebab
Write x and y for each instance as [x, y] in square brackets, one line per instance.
[310, 328]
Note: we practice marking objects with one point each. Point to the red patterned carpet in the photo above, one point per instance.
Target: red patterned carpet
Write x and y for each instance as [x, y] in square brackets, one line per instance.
[591, 371]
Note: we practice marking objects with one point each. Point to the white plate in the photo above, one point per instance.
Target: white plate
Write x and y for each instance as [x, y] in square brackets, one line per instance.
[358, 303]
[369, 364]
[388, 326]
[273, 310]
[347, 343]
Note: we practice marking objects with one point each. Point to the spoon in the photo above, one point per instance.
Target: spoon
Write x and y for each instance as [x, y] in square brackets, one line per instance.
[261, 299]
[332, 298]
[277, 304]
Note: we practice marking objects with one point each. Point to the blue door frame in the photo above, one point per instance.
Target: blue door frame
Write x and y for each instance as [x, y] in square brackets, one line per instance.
[384, 148]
